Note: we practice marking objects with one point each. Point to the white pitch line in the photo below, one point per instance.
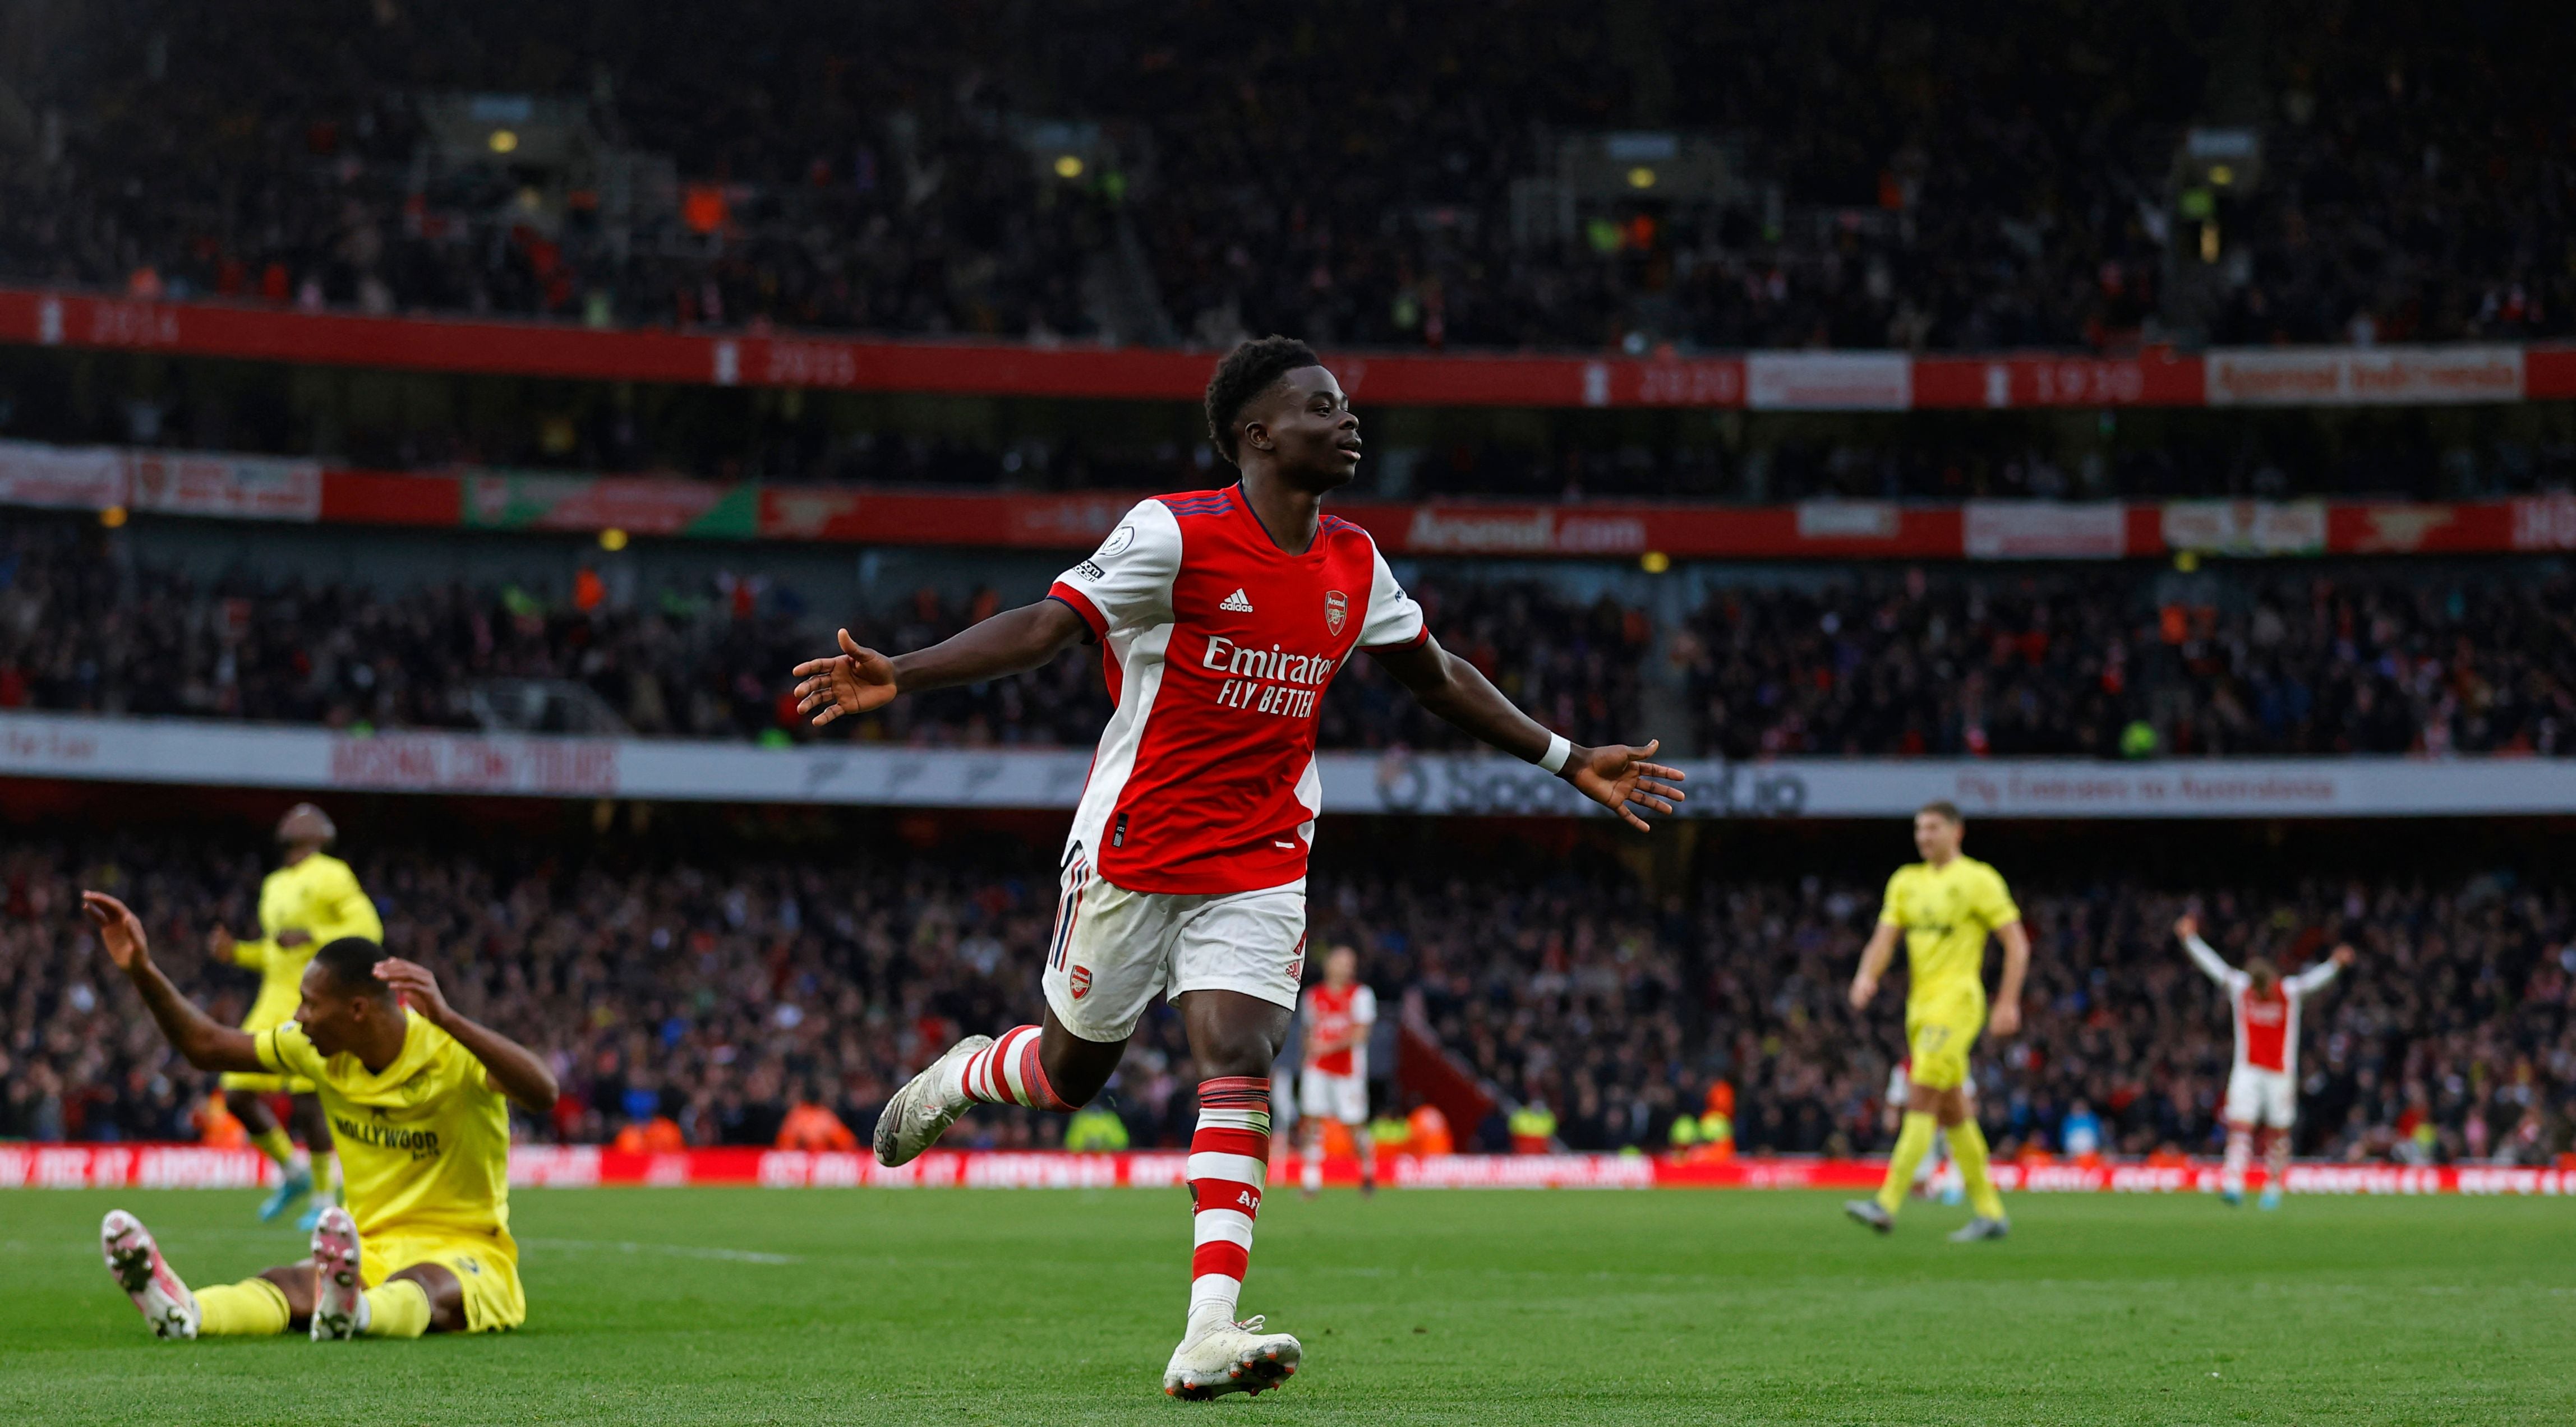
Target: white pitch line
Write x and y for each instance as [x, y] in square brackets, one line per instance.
[677, 1251]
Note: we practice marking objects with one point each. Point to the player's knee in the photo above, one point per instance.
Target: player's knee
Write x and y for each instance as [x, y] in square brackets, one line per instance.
[295, 1280]
[1234, 1051]
[446, 1296]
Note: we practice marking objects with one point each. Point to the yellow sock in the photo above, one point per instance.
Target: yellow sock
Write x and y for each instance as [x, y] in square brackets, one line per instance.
[1913, 1141]
[252, 1308]
[399, 1309]
[273, 1143]
[1968, 1147]
[326, 1167]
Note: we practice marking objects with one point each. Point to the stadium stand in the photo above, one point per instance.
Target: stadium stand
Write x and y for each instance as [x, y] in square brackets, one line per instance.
[1979, 187]
[2255, 659]
[715, 993]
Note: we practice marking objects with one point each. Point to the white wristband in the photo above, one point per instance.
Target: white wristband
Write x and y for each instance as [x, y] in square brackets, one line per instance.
[1558, 750]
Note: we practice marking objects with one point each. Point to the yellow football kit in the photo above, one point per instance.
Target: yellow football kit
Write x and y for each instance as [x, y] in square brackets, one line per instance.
[425, 1155]
[319, 896]
[1947, 913]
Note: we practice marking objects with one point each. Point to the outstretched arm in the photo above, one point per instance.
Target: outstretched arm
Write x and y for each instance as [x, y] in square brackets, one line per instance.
[1613, 776]
[206, 1043]
[859, 679]
[2314, 979]
[508, 1066]
[2187, 929]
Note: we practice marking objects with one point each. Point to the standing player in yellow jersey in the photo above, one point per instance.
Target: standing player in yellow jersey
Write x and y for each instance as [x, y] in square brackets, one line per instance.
[415, 1094]
[311, 899]
[1945, 905]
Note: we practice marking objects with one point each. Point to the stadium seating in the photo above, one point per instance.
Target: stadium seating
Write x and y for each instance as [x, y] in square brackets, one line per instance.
[821, 169]
[711, 993]
[2265, 659]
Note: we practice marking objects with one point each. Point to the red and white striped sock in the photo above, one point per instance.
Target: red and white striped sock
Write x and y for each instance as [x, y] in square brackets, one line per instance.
[1008, 1072]
[1229, 1163]
[2240, 1148]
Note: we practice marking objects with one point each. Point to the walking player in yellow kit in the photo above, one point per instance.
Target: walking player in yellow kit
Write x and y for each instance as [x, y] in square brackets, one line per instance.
[1945, 905]
[311, 899]
[415, 1093]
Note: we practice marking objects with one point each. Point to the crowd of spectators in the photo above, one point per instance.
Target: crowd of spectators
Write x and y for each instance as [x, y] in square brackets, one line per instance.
[2350, 661]
[1906, 177]
[718, 996]
[1901, 662]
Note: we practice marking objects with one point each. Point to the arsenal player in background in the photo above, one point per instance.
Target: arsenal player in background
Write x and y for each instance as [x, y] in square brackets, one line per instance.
[2263, 1085]
[1333, 1083]
[1222, 615]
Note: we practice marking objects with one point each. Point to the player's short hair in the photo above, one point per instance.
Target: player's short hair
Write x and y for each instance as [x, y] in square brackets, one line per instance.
[1247, 372]
[312, 821]
[1944, 809]
[351, 960]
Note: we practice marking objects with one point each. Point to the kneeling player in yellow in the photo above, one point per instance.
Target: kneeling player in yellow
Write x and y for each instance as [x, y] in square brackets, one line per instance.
[1945, 905]
[415, 1097]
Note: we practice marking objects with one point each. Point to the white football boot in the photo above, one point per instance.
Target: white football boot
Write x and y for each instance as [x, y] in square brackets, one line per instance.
[145, 1276]
[1230, 1357]
[921, 1111]
[337, 1292]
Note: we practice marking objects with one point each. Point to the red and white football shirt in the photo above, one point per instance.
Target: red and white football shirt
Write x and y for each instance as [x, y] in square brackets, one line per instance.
[1217, 647]
[1331, 1015]
[2267, 1027]
[2264, 1033]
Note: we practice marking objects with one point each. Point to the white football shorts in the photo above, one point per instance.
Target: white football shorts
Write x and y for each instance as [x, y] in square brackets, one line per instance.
[1114, 951]
[2269, 1098]
[1332, 1097]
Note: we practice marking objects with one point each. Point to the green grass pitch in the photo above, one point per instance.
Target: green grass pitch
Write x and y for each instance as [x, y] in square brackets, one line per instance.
[761, 1306]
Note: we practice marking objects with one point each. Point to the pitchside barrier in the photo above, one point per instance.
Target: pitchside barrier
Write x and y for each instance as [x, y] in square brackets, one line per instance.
[181, 1166]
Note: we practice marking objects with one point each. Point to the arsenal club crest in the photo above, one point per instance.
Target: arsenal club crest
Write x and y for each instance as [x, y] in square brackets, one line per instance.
[1336, 609]
[1081, 982]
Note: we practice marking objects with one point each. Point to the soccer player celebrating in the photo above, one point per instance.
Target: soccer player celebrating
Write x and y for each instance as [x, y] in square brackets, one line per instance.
[1946, 906]
[1222, 616]
[2263, 1086]
[312, 898]
[414, 1091]
[1334, 1081]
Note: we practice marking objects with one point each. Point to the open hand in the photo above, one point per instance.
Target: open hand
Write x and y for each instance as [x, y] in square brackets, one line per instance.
[119, 930]
[1863, 987]
[416, 986]
[2186, 926]
[1616, 775]
[2343, 954]
[220, 943]
[853, 681]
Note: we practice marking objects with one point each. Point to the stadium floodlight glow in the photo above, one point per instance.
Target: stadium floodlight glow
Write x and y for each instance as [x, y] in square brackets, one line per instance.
[1654, 562]
[1641, 177]
[1068, 166]
[2221, 175]
[504, 141]
[112, 516]
[612, 539]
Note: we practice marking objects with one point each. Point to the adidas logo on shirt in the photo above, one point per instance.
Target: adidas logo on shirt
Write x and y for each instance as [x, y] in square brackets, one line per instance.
[1236, 602]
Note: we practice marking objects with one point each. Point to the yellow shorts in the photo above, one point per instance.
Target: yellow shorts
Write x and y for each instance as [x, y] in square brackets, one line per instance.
[487, 1270]
[1938, 1035]
[260, 1082]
